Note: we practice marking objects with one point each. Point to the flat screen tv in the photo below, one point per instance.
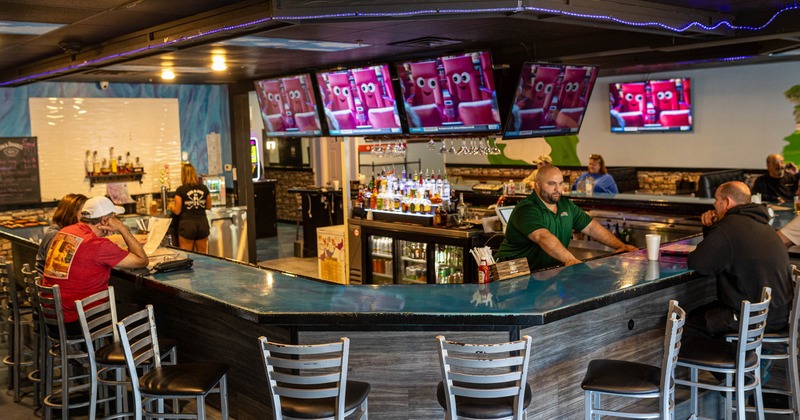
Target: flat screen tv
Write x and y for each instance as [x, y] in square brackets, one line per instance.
[651, 106]
[359, 101]
[450, 94]
[288, 106]
[550, 100]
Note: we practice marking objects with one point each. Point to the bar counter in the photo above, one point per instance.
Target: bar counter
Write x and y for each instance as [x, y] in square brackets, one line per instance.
[611, 307]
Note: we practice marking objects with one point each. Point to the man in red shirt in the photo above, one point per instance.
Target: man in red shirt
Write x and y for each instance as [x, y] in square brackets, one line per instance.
[80, 257]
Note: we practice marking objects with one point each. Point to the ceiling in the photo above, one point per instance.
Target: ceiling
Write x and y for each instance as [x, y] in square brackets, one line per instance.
[132, 40]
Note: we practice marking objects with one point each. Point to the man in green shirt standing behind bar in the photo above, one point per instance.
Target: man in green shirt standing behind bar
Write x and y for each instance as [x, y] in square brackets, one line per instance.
[541, 225]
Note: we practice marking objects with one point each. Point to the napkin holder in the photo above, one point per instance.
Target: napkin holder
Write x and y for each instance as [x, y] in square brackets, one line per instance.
[509, 269]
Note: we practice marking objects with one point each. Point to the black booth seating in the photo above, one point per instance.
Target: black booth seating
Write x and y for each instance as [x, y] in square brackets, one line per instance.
[709, 181]
[627, 179]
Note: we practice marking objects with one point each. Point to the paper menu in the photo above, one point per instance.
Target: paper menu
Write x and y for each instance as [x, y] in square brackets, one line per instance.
[157, 227]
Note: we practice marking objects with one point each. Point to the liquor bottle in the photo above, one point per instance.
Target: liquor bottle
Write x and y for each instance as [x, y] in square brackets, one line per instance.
[617, 232]
[104, 168]
[483, 272]
[627, 234]
[111, 161]
[137, 166]
[97, 165]
[89, 163]
[128, 163]
[462, 208]
[114, 164]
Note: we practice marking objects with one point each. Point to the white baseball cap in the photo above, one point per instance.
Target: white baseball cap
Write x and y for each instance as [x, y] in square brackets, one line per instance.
[100, 206]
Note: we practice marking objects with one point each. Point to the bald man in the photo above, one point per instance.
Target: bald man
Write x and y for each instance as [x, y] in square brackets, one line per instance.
[743, 252]
[541, 225]
[779, 185]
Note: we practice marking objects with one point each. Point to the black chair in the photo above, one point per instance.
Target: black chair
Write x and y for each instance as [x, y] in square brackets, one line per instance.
[709, 181]
[627, 179]
[620, 378]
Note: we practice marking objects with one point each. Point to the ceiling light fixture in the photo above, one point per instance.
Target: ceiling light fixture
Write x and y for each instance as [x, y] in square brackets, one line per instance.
[167, 74]
[218, 63]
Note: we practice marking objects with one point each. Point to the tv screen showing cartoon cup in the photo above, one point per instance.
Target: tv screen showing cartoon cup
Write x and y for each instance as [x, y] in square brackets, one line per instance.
[651, 106]
[288, 106]
[550, 100]
[359, 101]
[450, 94]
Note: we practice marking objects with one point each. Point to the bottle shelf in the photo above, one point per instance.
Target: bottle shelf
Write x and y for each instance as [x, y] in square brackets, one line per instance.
[103, 179]
[415, 260]
[376, 274]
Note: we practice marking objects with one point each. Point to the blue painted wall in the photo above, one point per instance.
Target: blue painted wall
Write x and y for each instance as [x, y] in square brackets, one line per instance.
[203, 109]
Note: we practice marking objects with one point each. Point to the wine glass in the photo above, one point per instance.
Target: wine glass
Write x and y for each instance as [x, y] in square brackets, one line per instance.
[452, 149]
[431, 144]
[464, 150]
[443, 149]
[493, 149]
[378, 151]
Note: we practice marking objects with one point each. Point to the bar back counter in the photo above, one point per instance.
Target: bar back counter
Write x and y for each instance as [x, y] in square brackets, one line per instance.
[610, 307]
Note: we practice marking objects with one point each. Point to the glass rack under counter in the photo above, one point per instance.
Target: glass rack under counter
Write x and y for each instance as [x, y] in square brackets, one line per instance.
[401, 253]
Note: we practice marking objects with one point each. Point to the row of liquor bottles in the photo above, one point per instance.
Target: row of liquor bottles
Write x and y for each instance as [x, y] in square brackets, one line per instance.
[94, 165]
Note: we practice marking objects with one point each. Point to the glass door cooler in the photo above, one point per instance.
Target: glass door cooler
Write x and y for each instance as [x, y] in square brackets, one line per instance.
[399, 253]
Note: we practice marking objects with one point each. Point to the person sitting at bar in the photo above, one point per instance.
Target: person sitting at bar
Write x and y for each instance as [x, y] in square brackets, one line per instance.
[66, 213]
[779, 185]
[602, 180]
[541, 225]
[743, 252]
[81, 257]
[543, 160]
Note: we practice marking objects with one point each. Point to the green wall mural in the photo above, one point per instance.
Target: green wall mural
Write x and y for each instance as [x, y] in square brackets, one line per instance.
[563, 150]
[791, 152]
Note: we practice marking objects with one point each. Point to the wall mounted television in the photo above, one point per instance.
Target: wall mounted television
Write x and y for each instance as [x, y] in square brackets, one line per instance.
[288, 106]
[450, 94]
[662, 105]
[359, 101]
[550, 100]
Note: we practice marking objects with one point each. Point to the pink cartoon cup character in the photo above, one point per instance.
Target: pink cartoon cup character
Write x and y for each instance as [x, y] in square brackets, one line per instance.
[535, 111]
[369, 88]
[272, 105]
[342, 105]
[301, 108]
[462, 79]
[427, 100]
[633, 104]
[570, 102]
[671, 111]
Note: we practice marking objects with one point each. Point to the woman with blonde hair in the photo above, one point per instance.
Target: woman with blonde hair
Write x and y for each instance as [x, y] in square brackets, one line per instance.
[192, 199]
[67, 213]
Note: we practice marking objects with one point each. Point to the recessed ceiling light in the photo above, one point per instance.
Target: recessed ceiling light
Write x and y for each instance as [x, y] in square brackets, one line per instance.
[218, 63]
[167, 74]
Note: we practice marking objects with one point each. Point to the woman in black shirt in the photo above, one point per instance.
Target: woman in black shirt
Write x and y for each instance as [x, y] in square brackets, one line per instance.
[191, 202]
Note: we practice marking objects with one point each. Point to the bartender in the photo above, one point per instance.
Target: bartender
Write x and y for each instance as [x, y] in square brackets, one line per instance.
[541, 225]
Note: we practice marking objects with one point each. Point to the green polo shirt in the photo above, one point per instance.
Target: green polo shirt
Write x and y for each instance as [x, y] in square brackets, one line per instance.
[531, 214]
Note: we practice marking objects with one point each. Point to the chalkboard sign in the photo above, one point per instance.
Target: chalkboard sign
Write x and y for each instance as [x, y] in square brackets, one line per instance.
[19, 171]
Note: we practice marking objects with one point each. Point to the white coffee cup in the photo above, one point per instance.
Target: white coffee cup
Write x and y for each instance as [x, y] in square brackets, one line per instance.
[653, 243]
[653, 271]
[335, 184]
[756, 198]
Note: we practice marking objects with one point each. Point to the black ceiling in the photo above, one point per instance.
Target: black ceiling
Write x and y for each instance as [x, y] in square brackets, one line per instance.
[131, 40]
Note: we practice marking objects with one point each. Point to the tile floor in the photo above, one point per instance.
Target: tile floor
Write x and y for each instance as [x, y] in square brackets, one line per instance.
[278, 252]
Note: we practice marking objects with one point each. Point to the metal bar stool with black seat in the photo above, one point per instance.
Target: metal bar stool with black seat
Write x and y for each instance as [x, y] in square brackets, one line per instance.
[309, 381]
[29, 278]
[160, 382]
[484, 381]
[20, 320]
[619, 378]
[740, 362]
[98, 317]
[63, 354]
[782, 346]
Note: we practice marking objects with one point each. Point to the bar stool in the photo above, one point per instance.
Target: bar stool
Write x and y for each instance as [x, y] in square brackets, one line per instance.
[485, 381]
[310, 381]
[740, 361]
[38, 338]
[60, 354]
[19, 320]
[783, 347]
[181, 381]
[637, 380]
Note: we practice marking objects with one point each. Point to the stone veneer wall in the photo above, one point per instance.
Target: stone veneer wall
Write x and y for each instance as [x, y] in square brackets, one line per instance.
[286, 201]
[650, 182]
[39, 214]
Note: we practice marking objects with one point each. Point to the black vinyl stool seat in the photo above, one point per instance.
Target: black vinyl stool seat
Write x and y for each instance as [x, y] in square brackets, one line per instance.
[740, 362]
[309, 381]
[196, 380]
[481, 408]
[484, 381]
[622, 378]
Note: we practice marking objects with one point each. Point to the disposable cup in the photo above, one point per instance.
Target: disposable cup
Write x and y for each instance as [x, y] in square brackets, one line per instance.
[653, 242]
[336, 184]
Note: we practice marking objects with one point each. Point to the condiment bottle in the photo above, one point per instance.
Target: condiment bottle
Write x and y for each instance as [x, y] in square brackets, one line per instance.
[483, 272]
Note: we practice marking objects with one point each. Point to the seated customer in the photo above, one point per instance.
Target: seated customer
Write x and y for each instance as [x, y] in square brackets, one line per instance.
[80, 258]
[603, 182]
[779, 185]
[67, 212]
[744, 254]
[541, 225]
[543, 160]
